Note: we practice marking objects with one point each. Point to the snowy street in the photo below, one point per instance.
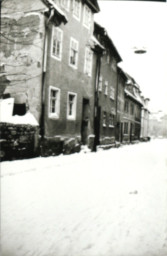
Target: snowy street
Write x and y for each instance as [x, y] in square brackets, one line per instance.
[109, 203]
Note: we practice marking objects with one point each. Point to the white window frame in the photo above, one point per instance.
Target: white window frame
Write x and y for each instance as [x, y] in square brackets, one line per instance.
[72, 40]
[104, 120]
[56, 114]
[74, 14]
[112, 93]
[61, 45]
[88, 61]
[111, 117]
[87, 19]
[73, 116]
[100, 84]
[124, 132]
[65, 6]
[108, 58]
[106, 88]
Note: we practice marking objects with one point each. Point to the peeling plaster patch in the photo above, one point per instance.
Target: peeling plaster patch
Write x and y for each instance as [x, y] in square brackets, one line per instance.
[18, 33]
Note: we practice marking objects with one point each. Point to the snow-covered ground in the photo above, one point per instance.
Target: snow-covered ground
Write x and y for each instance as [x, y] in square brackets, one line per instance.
[109, 203]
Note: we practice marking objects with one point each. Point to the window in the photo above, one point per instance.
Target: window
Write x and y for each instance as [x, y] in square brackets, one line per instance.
[73, 53]
[112, 93]
[77, 9]
[106, 88]
[104, 119]
[87, 17]
[57, 37]
[88, 61]
[132, 109]
[111, 120]
[71, 105]
[54, 102]
[108, 58]
[100, 83]
[125, 128]
[65, 4]
[126, 107]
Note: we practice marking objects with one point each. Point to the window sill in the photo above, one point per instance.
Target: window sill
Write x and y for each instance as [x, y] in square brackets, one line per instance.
[86, 26]
[53, 117]
[73, 66]
[55, 57]
[111, 126]
[76, 18]
[71, 118]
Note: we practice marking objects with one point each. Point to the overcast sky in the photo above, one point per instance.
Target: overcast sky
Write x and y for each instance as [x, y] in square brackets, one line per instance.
[140, 24]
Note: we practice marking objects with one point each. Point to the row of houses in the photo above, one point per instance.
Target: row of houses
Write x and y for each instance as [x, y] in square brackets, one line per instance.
[62, 67]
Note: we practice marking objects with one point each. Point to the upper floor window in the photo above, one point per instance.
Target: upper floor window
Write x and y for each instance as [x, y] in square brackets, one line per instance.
[132, 109]
[112, 93]
[65, 4]
[108, 58]
[87, 19]
[71, 106]
[73, 53]
[54, 102]
[88, 61]
[77, 9]
[106, 88]
[57, 39]
[100, 83]
[126, 107]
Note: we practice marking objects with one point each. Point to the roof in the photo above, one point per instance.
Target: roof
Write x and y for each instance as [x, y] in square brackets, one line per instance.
[96, 42]
[134, 97]
[56, 9]
[93, 4]
[121, 72]
[98, 29]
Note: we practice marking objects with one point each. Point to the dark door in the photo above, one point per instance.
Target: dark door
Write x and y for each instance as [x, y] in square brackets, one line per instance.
[97, 127]
[85, 121]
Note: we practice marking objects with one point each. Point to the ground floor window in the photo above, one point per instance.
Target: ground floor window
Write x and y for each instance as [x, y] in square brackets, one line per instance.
[54, 102]
[111, 120]
[126, 128]
[104, 119]
[71, 105]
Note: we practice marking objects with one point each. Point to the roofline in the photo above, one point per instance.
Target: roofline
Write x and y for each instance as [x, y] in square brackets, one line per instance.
[132, 97]
[58, 11]
[104, 31]
[122, 72]
[95, 7]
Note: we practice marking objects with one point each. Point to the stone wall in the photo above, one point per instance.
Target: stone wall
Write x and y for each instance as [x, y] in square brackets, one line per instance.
[18, 141]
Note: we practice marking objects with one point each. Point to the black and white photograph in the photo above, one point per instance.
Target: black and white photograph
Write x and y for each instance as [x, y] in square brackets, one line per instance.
[83, 128]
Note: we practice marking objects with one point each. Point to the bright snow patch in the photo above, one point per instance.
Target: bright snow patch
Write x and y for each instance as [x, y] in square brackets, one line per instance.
[109, 203]
[28, 119]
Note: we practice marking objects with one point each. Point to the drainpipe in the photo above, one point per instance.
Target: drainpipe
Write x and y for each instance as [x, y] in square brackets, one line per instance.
[45, 55]
[96, 104]
[116, 106]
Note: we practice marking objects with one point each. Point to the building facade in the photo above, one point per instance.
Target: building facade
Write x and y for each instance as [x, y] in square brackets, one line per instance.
[22, 51]
[121, 82]
[60, 66]
[106, 88]
[69, 82]
[132, 111]
[144, 135]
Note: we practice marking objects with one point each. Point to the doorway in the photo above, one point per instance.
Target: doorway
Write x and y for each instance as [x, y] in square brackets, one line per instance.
[85, 120]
